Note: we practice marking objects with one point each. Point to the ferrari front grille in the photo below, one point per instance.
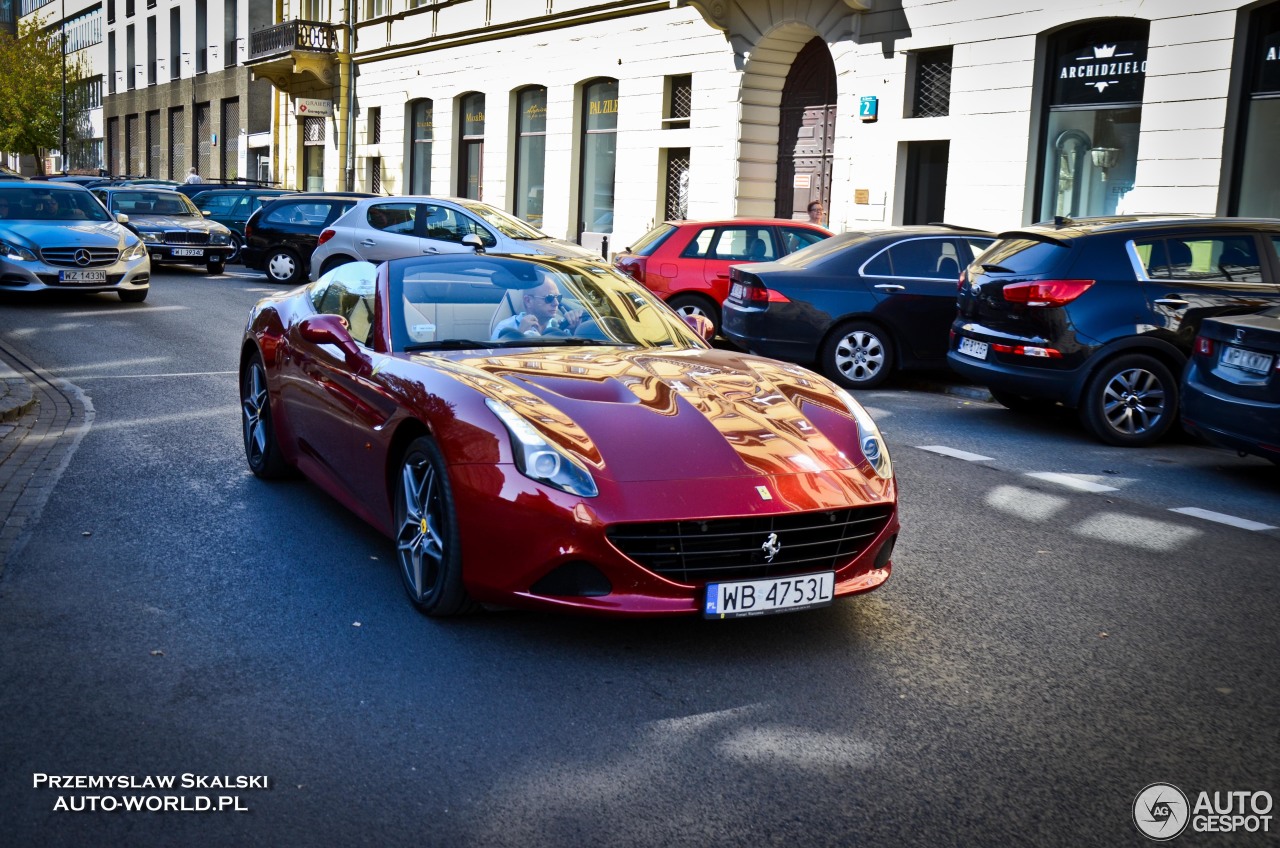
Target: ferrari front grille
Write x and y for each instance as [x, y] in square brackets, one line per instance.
[697, 552]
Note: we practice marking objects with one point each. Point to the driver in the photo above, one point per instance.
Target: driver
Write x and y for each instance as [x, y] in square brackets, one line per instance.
[542, 314]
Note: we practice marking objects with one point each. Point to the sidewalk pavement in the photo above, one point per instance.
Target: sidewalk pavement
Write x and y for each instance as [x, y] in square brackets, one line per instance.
[16, 397]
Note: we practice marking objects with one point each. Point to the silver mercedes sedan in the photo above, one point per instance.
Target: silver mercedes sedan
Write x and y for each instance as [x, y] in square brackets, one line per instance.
[57, 236]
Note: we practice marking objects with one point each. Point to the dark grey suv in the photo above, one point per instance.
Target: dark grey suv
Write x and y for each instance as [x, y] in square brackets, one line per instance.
[1100, 314]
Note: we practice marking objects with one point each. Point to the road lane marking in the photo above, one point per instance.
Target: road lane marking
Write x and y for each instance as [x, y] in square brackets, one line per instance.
[955, 452]
[1079, 482]
[1222, 518]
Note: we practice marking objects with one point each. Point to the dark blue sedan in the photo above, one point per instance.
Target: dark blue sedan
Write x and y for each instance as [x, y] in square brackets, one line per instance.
[861, 305]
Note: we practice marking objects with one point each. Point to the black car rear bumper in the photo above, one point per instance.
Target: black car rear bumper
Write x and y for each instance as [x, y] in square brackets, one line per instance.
[1056, 385]
[1239, 424]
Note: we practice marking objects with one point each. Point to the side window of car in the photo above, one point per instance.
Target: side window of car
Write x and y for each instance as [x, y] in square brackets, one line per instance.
[1220, 259]
[697, 249]
[334, 297]
[396, 218]
[446, 224]
[744, 244]
[285, 213]
[218, 205]
[927, 258]
[795, 238]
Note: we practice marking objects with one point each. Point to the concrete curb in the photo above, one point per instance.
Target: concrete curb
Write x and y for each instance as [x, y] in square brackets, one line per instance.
[16, 397]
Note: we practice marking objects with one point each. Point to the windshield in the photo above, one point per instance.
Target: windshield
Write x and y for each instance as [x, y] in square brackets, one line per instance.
[504, 223]
[42, 203]
[470, 302]
[171, 203]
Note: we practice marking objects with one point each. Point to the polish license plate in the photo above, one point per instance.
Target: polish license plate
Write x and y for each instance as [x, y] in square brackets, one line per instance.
[1246, 360]
[82, 276]
[970, 347]
[188, 251]
[763, 597]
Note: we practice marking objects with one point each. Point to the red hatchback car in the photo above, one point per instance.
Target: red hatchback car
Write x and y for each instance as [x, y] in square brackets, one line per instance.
[686, 263]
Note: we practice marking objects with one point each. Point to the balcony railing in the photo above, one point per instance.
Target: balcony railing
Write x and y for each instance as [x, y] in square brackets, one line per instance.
[292, 35]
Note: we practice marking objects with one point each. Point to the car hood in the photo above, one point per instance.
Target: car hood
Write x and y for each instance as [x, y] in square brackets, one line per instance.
[175, 222]
[64, 233]
[651, 414]
[563, 249]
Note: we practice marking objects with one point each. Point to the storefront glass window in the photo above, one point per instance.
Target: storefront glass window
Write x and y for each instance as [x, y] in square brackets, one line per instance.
[420, 137]
[1090, 144]
[599, 155]
[1258, 178]
[531, 153]
[471, 148]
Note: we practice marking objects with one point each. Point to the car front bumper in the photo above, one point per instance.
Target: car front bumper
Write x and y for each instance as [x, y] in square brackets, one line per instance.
[122, 275]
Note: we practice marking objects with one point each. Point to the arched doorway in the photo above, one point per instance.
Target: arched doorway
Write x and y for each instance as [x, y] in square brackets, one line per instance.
[806, 132]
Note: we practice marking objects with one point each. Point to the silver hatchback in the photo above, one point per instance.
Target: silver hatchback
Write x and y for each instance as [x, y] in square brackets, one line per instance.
[57, 236]
[380, 228]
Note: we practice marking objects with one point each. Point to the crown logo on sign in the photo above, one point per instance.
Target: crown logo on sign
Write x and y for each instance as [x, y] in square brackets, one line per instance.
[1106, 51]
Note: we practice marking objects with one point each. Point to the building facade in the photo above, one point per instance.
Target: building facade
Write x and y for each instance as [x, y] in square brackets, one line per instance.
[594, 120]
[178, 94]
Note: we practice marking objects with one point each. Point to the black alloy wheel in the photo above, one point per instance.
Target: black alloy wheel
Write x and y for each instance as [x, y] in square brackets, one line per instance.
[858, 355]
[284, 267]
[427, 548]
[261, 449]
[696, 304]
[237, 245]
[1131, 402]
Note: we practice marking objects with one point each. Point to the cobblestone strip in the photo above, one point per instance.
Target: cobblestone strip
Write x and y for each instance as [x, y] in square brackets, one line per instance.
[35, 451]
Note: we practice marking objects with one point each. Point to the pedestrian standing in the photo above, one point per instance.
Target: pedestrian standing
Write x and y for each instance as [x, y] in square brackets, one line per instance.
[815, 212]
[194, 177]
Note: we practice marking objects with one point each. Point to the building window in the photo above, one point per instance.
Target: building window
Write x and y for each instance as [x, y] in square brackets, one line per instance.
[531, 153]
[420, 136]
[175, 44]
[1089, 144]
[202, 36]
[374, 9]
[375, 174]
[679, 102]
[230, 164]
[676, 206]
[932, 95]
[230, 31]
[177, 152]
[599, 155]
[151, 51]
[131, 59]
[202, 131]
[112, 142]
[313, 153]
[1257, 178]
[153, 144]
[111, 63]
[133, 150]
[471, 147]
[375, 124]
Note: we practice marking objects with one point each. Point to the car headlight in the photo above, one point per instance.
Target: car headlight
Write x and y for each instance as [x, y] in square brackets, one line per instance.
[152, 238]
[13, 251]
[870, 441]
[137, 250]
[539, 460]
[219, 238]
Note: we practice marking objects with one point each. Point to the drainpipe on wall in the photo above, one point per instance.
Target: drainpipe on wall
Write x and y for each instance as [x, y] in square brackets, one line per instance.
[351, 97]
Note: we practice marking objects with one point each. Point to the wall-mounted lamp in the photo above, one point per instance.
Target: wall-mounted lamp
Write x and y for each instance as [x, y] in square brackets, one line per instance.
[1105, 158]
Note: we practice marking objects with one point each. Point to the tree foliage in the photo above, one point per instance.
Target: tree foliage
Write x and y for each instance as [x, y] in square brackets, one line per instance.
[31, 91]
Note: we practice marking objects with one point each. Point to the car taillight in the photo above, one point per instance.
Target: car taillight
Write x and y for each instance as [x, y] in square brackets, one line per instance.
[248, 229]
[1027, 350]
[753, 293]
[325, 236]
[1204, 346]
[1046, 292]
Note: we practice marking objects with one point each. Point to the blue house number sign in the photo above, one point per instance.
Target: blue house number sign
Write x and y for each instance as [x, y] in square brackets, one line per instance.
[868, 107]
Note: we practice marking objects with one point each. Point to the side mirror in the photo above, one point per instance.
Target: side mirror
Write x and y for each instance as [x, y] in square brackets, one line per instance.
[207, 212]
[122, 218]
[701, 325]
[473, 241]
[331, 329]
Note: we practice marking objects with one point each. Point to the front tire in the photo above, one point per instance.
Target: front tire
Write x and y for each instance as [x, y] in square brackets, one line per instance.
[261, 448]
[427, 548]
[1131, 402]
[858, 355]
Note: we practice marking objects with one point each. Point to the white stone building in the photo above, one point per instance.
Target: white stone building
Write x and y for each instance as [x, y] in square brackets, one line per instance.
[596, 119]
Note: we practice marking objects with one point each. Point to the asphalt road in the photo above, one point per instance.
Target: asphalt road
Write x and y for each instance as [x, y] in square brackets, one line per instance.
[1041, 654]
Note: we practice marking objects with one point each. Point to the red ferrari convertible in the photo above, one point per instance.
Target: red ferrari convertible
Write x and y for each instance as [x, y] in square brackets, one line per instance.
[545, 433]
